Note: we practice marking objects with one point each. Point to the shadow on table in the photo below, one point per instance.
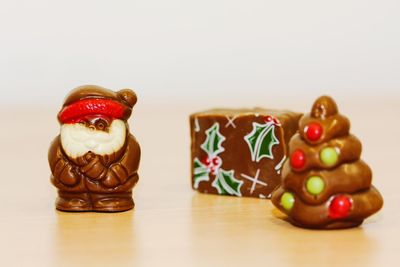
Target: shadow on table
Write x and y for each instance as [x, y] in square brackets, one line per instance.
[310, 247]
[251, 230]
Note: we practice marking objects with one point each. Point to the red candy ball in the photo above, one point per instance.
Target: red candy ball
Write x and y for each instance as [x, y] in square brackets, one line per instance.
[298, 159]
[313, 131]
[340, 207]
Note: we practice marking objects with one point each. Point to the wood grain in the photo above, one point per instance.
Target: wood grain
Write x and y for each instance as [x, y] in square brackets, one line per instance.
[172, 225]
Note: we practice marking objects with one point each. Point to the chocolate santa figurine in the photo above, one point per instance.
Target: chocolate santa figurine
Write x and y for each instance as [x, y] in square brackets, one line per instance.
[325, 185]
[94, 161]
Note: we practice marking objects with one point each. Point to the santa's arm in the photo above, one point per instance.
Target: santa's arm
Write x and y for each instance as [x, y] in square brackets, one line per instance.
[63, 171]
[126, 168]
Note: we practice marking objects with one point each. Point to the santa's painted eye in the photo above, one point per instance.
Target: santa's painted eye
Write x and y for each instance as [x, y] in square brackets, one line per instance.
[101, 125]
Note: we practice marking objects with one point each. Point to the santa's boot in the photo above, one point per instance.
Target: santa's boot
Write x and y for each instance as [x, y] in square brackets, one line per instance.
[112, 202]
[68, 201]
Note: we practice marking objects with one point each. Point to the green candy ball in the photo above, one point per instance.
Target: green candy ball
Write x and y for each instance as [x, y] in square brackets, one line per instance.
[315, 185]
[287, 201]
[329, 156]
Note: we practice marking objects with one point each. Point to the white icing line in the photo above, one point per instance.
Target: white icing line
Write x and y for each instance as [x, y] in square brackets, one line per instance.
[279, 165]
[255, 180]
[230, 121]
[196, 125]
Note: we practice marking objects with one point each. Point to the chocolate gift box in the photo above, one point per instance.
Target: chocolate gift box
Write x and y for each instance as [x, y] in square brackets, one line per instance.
[240, 152]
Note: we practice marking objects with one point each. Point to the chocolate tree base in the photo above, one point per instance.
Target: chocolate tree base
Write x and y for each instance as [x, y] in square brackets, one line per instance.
[80, 202]
[332, 226]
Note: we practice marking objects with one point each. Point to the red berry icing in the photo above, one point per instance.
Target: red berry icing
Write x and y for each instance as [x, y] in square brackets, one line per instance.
[340, 207]
[215, 161]
[212, 163]
[268, 119]
[272, 119]
[276, 121]
[206, 160]
[298, 159]
[313, 131]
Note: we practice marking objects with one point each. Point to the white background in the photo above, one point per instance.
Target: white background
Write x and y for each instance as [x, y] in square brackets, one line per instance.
[207, 51]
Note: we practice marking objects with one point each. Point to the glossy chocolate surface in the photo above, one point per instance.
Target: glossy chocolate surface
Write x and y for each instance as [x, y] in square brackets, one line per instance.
[248, 152]
[99, 179]
[343, 195]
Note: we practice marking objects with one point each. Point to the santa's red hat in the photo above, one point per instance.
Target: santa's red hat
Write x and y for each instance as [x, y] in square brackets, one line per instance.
[95, 100]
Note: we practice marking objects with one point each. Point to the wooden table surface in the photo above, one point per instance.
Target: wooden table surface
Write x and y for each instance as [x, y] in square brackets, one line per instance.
[173, 225]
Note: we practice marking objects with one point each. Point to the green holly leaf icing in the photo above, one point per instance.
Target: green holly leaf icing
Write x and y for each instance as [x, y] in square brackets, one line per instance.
[214, 140]
[226, 183]
[261, 140]
[201, 173]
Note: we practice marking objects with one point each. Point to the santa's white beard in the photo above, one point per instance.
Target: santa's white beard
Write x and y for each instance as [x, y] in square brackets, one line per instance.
[77, 139]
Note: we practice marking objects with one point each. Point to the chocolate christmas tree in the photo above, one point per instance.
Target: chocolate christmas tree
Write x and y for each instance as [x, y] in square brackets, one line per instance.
[325, 184]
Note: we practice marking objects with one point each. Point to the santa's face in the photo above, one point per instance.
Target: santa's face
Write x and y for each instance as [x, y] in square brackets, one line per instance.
[98, 135]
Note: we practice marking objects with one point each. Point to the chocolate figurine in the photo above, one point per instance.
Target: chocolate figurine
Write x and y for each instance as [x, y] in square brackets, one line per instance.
[240, 152]
[94, 161]
[325, 185]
